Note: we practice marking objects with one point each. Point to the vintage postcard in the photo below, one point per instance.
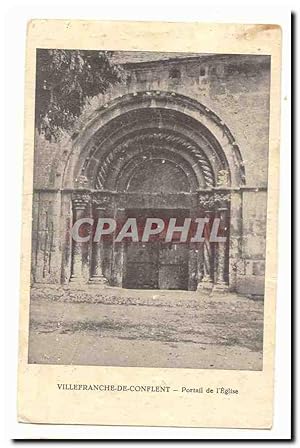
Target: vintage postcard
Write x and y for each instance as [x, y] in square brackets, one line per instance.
[149, 224]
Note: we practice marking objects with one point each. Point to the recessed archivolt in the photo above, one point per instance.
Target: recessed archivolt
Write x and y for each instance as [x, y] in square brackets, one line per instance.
[162, 109]
[157, 140]
[149, 122]
[184, 180]
[145, 156]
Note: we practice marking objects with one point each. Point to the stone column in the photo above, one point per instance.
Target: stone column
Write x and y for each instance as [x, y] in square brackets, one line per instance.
[97, 273]
[80, 210]
[220, 282]
[194, 262]
[235, 259]
[206, 278]
[118, 264]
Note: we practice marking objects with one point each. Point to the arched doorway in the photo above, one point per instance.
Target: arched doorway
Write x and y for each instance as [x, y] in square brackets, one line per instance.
[156, 264]
[155, 153]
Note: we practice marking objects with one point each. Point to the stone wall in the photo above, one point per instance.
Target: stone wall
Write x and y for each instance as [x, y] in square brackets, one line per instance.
[235, 87]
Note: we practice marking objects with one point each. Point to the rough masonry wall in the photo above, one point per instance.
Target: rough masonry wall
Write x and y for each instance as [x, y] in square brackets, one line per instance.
[236, 89]
[237, 92]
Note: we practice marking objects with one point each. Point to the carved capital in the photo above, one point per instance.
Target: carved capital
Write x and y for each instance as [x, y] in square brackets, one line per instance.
[102, 201]
[206, 201]
[214, 200]
[80, 201]
[222, 200]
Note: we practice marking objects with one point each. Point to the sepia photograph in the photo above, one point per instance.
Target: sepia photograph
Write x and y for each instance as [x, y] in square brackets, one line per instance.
[149, 224]
[149, 209]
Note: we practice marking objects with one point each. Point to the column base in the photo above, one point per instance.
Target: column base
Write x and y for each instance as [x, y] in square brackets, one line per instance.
[205, 285]
[76, 279]
[77, 282]
[99, 279]
[220, 287]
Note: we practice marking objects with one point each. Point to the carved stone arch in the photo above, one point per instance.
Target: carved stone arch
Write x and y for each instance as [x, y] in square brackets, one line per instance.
[148, 155]
[190, 114]
[105, 160]
[140, 169]
[173, 128]
[195, 161]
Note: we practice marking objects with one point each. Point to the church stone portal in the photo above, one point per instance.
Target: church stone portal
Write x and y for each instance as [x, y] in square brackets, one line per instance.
[150, 152]
[155, 159]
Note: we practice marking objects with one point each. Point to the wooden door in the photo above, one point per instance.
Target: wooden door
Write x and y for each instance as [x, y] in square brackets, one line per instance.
[142, 266]
[156, 264]
[173, 266]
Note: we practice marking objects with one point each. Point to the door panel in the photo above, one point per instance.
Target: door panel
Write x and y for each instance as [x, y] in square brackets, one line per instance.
[142, 266]
[141, 276]
[173, 266]
[156, 264]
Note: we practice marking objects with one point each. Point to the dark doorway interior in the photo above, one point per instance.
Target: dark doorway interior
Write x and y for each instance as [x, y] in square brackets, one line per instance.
[157, 264]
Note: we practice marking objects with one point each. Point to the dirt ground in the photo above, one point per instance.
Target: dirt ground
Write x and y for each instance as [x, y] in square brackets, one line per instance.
[118, 327]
